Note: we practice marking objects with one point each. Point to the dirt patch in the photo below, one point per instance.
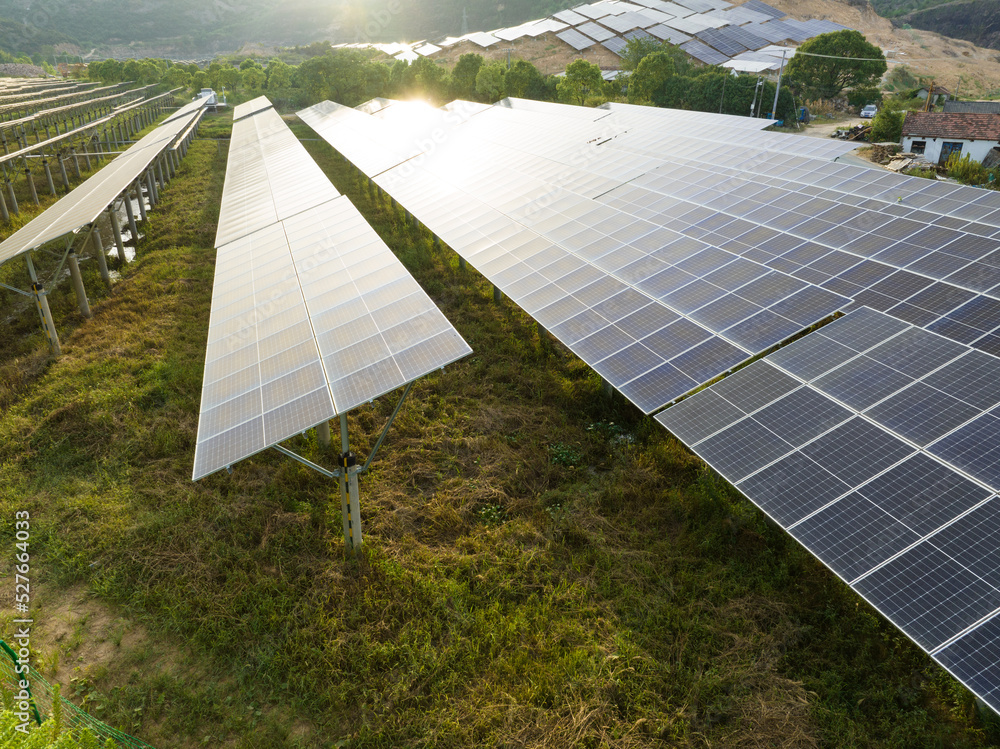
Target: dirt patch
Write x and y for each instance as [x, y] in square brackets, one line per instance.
[72, 630]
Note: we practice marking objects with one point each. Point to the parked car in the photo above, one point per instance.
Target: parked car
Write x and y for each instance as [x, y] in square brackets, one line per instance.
[869, 111]
[207, 93]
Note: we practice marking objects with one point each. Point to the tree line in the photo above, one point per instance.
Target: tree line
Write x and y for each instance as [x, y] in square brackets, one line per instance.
[652, 72]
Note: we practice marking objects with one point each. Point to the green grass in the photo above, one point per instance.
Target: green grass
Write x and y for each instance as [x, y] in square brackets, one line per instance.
[543, 566]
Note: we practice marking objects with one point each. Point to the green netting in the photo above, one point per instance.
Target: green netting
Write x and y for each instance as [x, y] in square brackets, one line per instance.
[43, 699]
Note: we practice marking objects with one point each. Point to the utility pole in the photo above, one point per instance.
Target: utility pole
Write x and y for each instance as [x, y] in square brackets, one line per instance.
[508, 50]
[777, 89]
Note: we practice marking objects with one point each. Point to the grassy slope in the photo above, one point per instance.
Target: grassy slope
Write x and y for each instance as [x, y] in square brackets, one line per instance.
[543, 567]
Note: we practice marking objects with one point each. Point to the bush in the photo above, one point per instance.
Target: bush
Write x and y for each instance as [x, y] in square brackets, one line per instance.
[969, 172]
[887, 126]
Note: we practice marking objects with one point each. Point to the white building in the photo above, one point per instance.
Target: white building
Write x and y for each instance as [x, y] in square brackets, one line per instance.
[937, 135]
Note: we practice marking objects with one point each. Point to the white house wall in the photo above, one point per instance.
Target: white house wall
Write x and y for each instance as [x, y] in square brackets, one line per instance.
[977, 148]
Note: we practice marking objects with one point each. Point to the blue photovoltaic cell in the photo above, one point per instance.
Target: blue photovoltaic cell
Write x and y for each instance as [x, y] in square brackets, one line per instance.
[785, 416]
[923, 494]
[857, 451]
[975, 448]
[861, 382]
[975, 660]
[741, 449]
[928, 595]
[921, 414]
[852, 536]
[792, 488]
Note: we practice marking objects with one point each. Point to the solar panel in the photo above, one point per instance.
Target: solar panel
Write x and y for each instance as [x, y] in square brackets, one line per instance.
[251, 107]
[594, 10]
[594, 31]
[690, 25]
[570, 17]
[312, 314]
[626, 22]
[575, 39]
[721, 41]
[667, 34]
[616, 45]
[743, 36]
[703, 53]
[761, 7]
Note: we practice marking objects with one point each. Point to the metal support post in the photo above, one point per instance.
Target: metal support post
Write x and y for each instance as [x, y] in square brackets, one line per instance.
[42, 303]
[607, 388]
[102, 259]
[497, 295]
[76, 162]
[3, 208]
[86, 157]
[65, 176]
[131, 217]
[13, 197]
[323, 434]
[31, 184]
[142, 200]
[348, 498]
[154, 196]
[160, 174]
[3, 137]
[117, 229]
[48, 176]
[81, 293]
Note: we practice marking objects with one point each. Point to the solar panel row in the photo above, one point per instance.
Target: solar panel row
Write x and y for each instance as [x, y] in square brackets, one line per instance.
[874, 443]
[82, 206]
[312, 314]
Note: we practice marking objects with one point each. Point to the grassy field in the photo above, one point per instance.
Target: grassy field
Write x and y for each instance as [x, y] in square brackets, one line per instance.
[544, 566]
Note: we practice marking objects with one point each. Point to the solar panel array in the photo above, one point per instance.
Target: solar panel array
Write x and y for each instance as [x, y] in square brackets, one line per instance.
[312, 314]
[664, 256]
[82, 206]
[875, 444]
[733, 29]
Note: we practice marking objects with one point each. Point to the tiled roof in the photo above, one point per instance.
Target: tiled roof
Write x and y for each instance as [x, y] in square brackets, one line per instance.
[981, 107]
[959, 125]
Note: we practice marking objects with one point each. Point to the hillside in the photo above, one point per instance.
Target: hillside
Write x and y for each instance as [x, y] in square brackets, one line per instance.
[965, 68]
[188, 27]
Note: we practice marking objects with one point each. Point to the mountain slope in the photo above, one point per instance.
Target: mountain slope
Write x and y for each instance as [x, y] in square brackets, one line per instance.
[200, 26]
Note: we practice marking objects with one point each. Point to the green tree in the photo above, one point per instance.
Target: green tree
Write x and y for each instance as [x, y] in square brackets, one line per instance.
[229, 78]
[199, 81]
[524, 81]
[253, 79]
[637, 49]
[344, 76]
[279, 75]
[582, 78]
[464, 75]
[178, 76]
[429, 79]
[887, 125]
[848, 61]
[248, 63]
[193, 68]
[651, 77]
[131, 71]
[490, 83]
[214, 68]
